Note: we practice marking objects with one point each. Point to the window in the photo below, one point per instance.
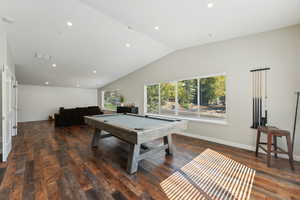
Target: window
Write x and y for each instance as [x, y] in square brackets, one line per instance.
[188, 97]
[153, 99]
[212, 97]
[111, 99]
[167, 98]
[192, 98]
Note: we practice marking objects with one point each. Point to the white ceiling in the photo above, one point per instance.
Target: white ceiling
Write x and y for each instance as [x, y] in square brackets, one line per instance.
[188, 23]
[97, 40]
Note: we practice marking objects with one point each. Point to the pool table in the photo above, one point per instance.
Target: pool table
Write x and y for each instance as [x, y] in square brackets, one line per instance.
[136, 130]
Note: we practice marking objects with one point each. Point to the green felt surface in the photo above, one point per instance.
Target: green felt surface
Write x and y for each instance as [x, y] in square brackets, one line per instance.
[133, 122]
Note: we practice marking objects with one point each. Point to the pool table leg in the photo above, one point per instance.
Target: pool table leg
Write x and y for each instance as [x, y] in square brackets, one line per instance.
[96, 137]
[133, 158]
[168, 141]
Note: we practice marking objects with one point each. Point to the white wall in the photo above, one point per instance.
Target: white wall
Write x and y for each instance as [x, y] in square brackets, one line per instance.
[278, 49]
[2, 44]
[38, 102]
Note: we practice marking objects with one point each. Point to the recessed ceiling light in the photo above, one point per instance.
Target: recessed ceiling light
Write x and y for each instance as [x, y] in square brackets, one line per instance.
[128, 45]
[69, 24]
[156, 28]
[210, 4]
[47, 83]
[94, 71]
[53, 65]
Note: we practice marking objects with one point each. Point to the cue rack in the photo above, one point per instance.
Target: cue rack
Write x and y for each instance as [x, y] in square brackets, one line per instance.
[259, 97]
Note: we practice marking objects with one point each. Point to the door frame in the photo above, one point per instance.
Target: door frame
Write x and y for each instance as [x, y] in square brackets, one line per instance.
[6, 125]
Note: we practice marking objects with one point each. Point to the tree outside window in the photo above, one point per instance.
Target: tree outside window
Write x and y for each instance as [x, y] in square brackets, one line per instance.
[188, 97]
[153, 99]
[212, 97]
[111, 99]
[167, 98]
[198, 97]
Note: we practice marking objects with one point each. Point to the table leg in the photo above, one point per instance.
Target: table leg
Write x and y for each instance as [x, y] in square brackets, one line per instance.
[168, 141]
[133, 158]
[275, 146]
[269, 144]
[257, 142]
[96, 137]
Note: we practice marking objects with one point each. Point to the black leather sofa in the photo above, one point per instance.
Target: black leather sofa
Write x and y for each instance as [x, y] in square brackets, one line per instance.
[74, 116]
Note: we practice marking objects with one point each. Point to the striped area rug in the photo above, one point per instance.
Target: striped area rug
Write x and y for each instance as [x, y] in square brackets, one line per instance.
[210, 175]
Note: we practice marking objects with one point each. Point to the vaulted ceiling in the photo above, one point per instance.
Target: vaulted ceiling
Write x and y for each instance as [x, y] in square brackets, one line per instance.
[109, 39]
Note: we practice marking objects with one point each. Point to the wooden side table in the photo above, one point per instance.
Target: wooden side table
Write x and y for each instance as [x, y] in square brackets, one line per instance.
[272, 134]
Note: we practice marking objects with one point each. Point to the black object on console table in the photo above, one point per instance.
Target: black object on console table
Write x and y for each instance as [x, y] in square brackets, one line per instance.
[127, 109]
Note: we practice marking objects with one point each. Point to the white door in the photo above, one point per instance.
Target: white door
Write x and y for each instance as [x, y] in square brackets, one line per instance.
[7, 111]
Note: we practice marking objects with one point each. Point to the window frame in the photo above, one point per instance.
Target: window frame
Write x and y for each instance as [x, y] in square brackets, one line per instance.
[221, 121]
[103, 99]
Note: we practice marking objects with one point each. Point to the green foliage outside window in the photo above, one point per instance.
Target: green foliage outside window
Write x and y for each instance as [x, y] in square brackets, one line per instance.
[167, 93]
[187, 93]
[206, 99]
[153, 99]
[112, 99]
[212, 90]
[167, 98]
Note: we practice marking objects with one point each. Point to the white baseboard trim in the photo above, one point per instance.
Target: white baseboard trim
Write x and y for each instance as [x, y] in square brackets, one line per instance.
[233, 144]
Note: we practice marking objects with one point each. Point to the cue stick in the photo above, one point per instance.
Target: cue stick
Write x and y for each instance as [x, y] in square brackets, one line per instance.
[255, 108]
[259, 98]
[295, 122]
[253, 118]
[256, 99]
[266, 98]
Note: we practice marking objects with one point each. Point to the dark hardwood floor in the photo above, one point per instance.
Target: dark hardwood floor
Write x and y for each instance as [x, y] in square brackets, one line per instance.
[58, 163]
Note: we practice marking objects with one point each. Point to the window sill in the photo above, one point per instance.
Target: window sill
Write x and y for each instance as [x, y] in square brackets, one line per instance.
[204, 120]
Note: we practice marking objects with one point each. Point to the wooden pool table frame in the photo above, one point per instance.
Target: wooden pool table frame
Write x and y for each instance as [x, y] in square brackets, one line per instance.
[135, 138]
